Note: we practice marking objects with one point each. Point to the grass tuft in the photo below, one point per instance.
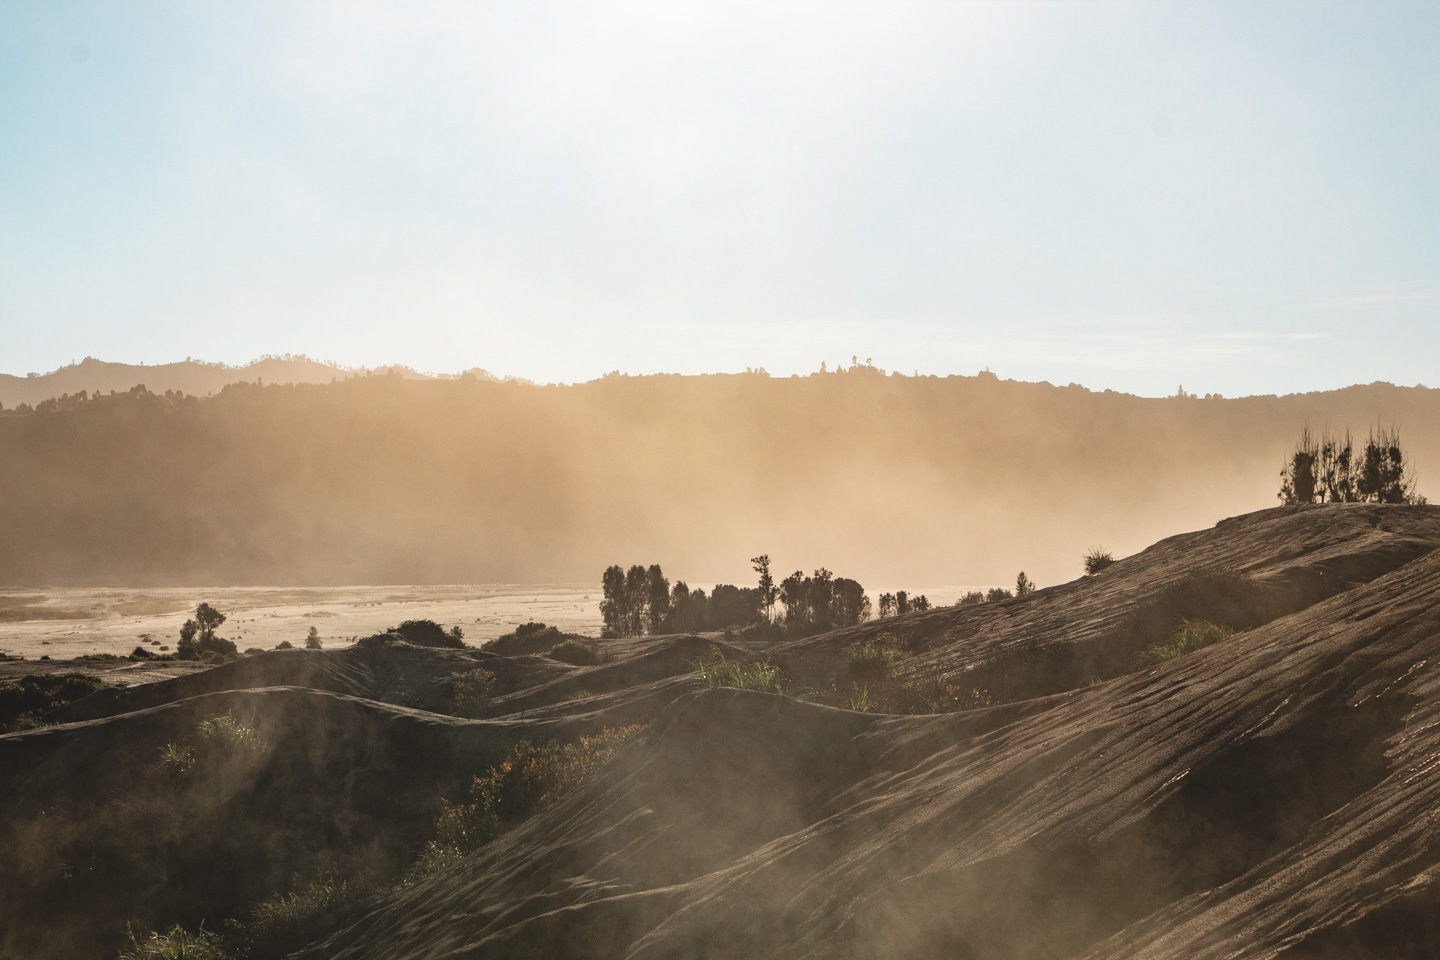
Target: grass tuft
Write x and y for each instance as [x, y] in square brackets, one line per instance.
[176, 944]
[1189, 636]
[872, 660]
[273, 926]
[741, 674]
[223, 735]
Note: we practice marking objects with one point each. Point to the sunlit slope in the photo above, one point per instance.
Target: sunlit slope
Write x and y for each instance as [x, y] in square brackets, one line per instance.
[1243, 572]
[885, 479]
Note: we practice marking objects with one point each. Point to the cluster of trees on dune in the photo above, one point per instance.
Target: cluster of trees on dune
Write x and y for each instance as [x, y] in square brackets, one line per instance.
[1328, 469]
[640, 601]
[900, 602]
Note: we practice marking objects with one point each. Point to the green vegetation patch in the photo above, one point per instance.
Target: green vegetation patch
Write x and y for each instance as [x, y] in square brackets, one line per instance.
[218, 739]
[272, 927]
[741, 674]
[24, 701]
[873, 659]
[532, 779]
[1189, 636]
[470, 692]
[176, 944]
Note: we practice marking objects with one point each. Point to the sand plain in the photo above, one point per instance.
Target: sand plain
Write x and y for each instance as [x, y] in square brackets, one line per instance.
[68, 623]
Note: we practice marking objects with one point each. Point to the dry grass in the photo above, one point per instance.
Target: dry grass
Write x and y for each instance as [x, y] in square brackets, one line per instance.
[1189, 636]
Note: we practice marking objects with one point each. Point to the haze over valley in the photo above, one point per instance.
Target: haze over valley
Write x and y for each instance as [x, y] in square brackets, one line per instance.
[379, 479]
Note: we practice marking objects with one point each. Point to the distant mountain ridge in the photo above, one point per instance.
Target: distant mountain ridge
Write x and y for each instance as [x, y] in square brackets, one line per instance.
[194, 377]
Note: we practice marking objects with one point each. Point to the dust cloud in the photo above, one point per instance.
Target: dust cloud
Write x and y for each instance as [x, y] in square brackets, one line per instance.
[889, 478]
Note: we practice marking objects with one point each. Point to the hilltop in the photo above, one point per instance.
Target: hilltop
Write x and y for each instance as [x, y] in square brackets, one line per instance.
[1269, 795]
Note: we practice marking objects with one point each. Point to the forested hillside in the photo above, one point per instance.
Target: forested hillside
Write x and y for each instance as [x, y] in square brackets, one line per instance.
[927, 480]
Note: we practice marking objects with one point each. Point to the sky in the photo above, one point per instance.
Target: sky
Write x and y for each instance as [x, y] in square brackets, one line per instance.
[1238, 198]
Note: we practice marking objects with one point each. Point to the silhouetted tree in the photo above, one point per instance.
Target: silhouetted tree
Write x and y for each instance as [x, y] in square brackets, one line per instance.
[657, 615]
[1024, 586]
[312, 639]
[850, 604]
[197, 635]
[768, 590]
[637, 600]
[795, 594]
[1385, 477]
[821, 590]
[686, 609]
[1297, 477]
[612, 606]
[974, 596]
[732, 606]
[920, 604]
[887, 605]
[995, 594]
[902, 603]
[1327, 470]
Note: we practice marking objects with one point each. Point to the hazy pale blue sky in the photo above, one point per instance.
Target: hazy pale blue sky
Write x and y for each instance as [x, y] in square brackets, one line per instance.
[1239, 197]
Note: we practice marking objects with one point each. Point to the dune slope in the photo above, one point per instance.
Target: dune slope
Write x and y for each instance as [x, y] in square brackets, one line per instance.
[1272, 795]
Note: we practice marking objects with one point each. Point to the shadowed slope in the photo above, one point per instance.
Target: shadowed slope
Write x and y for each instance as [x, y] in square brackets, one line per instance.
[1234, 802]
[98, 831]
[1273, 792]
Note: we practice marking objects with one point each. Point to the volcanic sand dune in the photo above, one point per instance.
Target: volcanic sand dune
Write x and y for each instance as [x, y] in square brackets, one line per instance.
[1272, 795]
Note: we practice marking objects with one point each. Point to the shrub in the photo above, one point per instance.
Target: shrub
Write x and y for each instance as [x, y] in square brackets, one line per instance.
[176, 944]
[872, 660]
[198, 640]
[536, 631]
[140, 653]
[741, 674]
[177, 759]
[1189, 636]
[428, 633]
[528, 638]
[762, 631]
[996, 594]
[937, 696]
[578, 653]
[974, 596]
[24, 701]
[284, 645]
[532, 779]
[470, 692]
[860, 699]
[312, 639]
[1097, 560]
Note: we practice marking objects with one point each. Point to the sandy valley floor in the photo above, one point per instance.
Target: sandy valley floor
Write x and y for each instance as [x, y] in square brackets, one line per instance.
[69, 623]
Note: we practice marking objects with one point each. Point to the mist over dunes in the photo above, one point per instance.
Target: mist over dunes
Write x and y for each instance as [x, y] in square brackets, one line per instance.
[383, 479]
